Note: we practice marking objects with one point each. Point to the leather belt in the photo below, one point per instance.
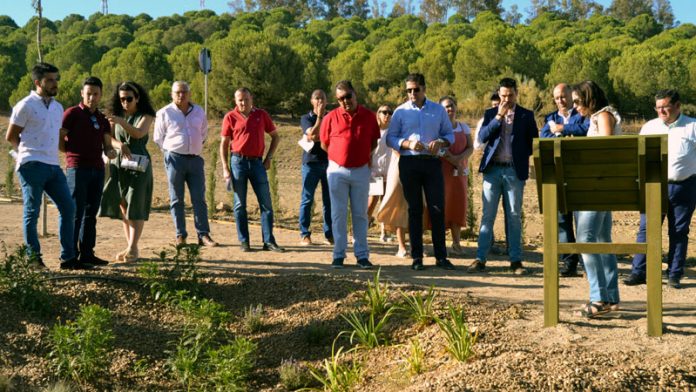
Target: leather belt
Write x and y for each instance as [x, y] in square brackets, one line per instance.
[247, 157]
[502, 164]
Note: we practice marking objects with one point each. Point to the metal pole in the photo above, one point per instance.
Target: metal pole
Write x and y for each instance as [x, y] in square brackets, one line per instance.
[206, 93]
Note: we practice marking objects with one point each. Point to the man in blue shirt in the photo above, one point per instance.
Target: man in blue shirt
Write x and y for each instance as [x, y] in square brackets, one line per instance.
[419, 130]
[508, 132]
[314, 165]
[566, 121]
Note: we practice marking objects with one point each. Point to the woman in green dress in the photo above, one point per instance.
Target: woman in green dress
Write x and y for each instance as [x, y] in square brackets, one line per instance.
[127, 190]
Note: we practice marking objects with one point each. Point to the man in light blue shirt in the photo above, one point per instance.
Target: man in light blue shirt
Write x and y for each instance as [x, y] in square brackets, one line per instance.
[419, 130]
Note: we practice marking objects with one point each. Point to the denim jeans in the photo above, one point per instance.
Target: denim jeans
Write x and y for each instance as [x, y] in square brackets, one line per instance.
[86, 185]
[244, 170]
[566, 234]
[349, 184]
[36, 178]
[312, 174]
[501, 181]
[424, 176]
[680, 209]
[187, 170]
[601, 269]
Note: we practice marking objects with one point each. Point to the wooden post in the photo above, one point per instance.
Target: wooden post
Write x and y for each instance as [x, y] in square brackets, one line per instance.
[550, 208]
[653, 256]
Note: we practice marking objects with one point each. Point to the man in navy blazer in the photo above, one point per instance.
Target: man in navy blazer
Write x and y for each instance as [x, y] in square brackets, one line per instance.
[566, 121]
[508, 132]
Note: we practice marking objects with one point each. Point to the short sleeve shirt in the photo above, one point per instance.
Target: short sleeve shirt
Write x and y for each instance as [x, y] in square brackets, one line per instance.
[41, 129]
[247, 133]
[84, 142]
[316, 154]
[349, 137]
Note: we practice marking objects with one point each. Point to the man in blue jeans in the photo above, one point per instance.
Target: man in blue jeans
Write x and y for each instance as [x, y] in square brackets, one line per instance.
[180, 131]
[88, 135]
[34, 132]
[314, 165]
[242, 136]
[681, 187]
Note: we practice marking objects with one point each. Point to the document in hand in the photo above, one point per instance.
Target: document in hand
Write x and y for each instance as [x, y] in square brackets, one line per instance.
[136, 162]
[305, 144]
[376, 186]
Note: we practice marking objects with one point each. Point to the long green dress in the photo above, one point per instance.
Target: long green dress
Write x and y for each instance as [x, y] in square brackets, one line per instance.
[122, 184]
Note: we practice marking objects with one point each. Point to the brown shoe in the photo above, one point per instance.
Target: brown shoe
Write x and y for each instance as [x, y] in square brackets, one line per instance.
[205, 240]
[306, 241]
[476, 266]
[180, 240]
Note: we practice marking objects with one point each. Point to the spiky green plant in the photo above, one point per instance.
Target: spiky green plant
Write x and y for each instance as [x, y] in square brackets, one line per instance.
[367, 331]
[459, 339]
[419, 307]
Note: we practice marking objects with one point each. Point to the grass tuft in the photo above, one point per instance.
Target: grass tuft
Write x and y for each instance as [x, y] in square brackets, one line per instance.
[293, 375]
[459, 340]
[419, 307]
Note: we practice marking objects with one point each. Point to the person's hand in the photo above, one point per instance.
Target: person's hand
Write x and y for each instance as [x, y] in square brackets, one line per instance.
[322, 111]
[115, 120]
[125, 151]
[435, 146]
[415, 145]
[503, 109]
[267, 162]
[557, 130]
[110, 153]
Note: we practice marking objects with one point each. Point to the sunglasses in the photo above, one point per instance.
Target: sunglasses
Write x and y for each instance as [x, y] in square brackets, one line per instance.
[128, 99]
[449, 106]
[577, 102]
[345, 97]
[95, 123]
[413, 90]
[387, 112]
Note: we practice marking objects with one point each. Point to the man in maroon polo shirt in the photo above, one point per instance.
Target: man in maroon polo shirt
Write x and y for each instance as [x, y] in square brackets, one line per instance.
[242, 135]
[88, 135]
[349, 134]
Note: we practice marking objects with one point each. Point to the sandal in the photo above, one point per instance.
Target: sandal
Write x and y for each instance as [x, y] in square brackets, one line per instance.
[121, 256]
[594, 309]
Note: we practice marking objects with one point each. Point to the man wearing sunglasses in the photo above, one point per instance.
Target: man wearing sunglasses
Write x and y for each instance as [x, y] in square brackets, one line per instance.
[180, 131]
[88, 136]
[508, 132]
[349, 134]
[419, 130]
[34, 133]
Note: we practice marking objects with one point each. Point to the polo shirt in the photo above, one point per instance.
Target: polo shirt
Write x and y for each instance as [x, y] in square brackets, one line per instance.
[38, 140]
[316, 154]
[425, 124]
[247, 133]
[84, 142]
[681, 145]
[349, 138]
[179, 132]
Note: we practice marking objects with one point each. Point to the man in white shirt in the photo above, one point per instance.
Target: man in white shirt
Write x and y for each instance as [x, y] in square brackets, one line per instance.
[34, 132]
[180, 131]
[681, 189]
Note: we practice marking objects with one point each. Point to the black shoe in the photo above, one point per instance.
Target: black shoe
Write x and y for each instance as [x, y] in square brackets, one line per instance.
[444, 264]
[74, 264]
[364, 264]
[272, 246]
[674, 283]
[205, 240]
[37, 263]
[245, 247]
[94, 260]
[417, 265]
[568, 270]
[337, 263]
[476, 266]
[517, 268]
[634, 280]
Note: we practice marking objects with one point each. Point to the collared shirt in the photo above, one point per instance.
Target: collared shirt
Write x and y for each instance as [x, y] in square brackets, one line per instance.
[38, 140]
[84, 143]
[423, 124]
[573, 125]
[349, 137]
[316, 154]
[247, 133]
[681, 145]
[179, 132]
[504, 151]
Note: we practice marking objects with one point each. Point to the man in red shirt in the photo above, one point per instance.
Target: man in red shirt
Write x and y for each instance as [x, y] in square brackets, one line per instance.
[88, 135]
[243, 131]
[349, 134]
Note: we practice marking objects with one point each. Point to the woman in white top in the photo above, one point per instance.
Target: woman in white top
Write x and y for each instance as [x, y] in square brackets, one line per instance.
[595, 226]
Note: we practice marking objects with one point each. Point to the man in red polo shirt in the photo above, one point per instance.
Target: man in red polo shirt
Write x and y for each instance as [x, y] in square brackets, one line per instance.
[88, 135]
[243, 132]
[349, 134]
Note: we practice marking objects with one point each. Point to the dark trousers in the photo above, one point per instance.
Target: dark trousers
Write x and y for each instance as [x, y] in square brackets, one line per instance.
[680, 209]
[419, 176]
[566, 234]
[85, 186]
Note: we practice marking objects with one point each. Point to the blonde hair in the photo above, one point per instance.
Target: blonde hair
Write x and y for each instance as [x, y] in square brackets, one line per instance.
[380, 122]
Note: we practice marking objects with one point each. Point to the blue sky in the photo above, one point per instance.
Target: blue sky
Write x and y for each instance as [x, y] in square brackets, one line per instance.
[21, 11]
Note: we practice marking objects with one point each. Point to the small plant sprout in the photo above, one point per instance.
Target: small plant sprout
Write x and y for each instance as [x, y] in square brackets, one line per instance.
[253, 318]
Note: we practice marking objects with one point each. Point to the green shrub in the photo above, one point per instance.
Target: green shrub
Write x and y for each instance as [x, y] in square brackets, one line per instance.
[229, 366]
[81, 348]
[23, 282]
[459, 340]
[334, 375]
[293, 375]
[176, 274]
[60, 386]
[367, 331]
[419, 307]
[253, 318]
[376, 295]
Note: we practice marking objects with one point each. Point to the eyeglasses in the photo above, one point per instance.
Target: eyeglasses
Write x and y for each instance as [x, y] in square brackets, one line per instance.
[387, 112]
[128, 99]
[660, 108]
[345, 97]
[95, 123]
[413, 90]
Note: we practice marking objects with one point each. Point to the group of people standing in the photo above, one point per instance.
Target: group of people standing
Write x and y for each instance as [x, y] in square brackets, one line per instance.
[415, 156]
